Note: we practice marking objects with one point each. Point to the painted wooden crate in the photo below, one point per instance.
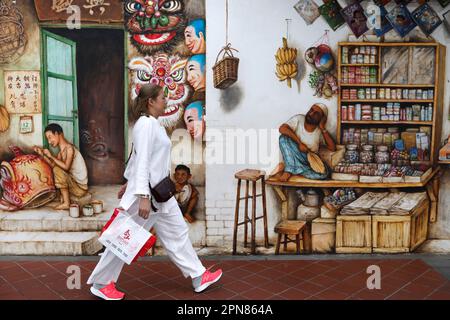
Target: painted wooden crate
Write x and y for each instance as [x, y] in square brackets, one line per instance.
[354, 234]
[395, 234]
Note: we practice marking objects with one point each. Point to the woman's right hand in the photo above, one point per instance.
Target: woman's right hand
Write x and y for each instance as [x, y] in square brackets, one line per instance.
[122, 191]
[144, 208]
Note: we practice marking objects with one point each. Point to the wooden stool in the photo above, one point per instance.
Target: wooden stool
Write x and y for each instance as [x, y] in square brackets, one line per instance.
[291, 228]
[250, 175]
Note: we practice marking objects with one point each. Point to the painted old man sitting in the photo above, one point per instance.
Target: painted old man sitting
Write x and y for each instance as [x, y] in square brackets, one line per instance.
[301, 135]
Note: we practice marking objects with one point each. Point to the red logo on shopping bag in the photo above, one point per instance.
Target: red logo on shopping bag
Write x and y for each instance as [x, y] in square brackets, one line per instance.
[127, 235]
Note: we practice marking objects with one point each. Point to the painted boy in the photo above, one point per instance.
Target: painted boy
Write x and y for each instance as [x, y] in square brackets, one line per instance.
[186, 194]
[69, 167]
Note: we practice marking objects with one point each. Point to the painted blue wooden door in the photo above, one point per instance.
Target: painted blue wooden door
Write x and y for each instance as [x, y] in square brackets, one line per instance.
[60, 83]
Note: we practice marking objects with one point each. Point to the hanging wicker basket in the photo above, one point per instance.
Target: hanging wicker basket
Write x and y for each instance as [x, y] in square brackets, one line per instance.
[226, 70]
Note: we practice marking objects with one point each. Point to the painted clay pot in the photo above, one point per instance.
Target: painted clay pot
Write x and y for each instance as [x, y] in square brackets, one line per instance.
[97, 205]
[27, 180]
[74, 210]
[88, 210]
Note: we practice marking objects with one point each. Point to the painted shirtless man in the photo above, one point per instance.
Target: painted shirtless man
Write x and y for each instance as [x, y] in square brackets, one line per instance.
[69, 167]
[302, 134]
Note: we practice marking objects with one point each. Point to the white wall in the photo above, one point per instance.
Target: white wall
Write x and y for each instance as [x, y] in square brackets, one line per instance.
[256, 30]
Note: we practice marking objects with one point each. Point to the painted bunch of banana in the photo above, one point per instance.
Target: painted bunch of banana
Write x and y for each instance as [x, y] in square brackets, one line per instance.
[287, 67]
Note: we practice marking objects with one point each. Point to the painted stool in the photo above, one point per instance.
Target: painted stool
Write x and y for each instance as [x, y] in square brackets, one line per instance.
[254, 176]
[289, 228]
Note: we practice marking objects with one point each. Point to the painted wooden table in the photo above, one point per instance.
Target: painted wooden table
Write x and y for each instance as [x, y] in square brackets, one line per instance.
[430, 184]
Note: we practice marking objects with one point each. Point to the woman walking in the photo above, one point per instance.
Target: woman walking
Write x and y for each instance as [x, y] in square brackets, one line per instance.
[149, 163]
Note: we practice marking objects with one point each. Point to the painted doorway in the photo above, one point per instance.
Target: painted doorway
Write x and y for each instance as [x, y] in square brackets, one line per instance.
[98, 111]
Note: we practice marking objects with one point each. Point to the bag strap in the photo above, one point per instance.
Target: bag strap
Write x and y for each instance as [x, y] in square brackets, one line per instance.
[131, 152]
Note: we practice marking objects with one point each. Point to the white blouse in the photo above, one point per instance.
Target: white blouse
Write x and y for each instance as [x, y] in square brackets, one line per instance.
[149, 161]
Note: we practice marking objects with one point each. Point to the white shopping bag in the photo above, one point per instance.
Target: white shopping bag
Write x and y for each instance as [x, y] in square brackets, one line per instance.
[124, 237]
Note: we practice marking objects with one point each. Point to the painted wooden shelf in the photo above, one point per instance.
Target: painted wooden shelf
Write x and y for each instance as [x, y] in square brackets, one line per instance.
[385, 100]
[424, 123]
[360, 65]
[299, 182]
[387, 85]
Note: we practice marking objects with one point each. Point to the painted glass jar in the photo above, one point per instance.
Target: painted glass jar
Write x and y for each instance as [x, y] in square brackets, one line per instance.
[352, 154]
[366, 155]
[382, 155]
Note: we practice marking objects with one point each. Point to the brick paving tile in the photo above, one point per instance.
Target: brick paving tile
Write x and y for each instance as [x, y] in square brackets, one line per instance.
[439, 295]
[147, 292]
[319, 268]
[336, 274]
[290, 280]
[238, 286]
[15, 274]
[423, 290]
[256, 280]
[219, 293]
[332, 294]
[368, 295]
[324, 281]
[131, 286]
[303, 274]
[310, 288]
[275, 287]
[427, 281]
[271, 273]
[294, 294]
[406, 295]
[7, 265]
[257, 294]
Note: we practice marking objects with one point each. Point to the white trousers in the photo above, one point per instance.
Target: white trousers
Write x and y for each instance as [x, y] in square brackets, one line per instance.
[171, 230]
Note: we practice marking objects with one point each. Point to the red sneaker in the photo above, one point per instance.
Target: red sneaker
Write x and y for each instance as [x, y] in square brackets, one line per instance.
[208, 278]
[108, 293]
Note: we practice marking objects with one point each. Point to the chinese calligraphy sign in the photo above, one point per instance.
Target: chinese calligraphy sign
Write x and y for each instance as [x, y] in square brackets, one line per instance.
[23, 92]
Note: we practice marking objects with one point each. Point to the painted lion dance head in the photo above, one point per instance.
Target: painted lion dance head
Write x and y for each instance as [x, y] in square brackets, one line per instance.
[169, 73]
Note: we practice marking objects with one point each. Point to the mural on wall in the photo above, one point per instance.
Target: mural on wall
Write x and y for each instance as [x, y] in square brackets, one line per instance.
[27, 182]
[156, 25]
[12, 33]
[170, 38]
